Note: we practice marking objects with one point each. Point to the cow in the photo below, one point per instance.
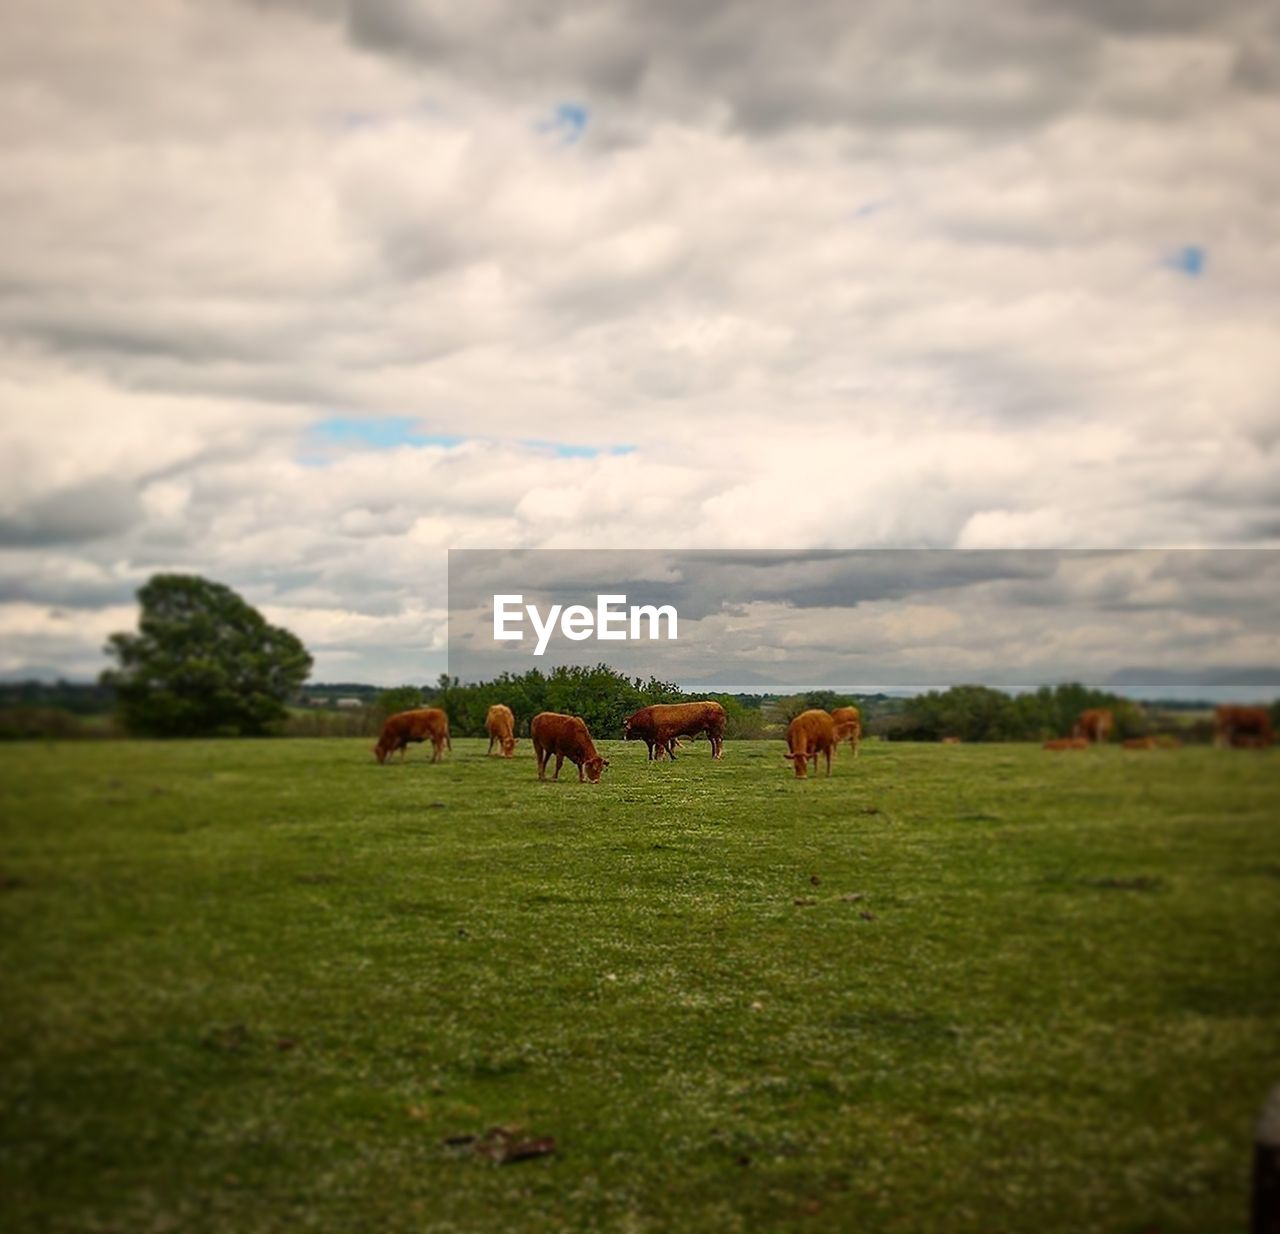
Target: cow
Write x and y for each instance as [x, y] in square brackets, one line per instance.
[659, 725]
[951, 741]
[422, 724]
[811, 733]
[848, 724]
[1067, 743]
[565, 737]
[1141, 743]
[500, 724]
[1242, 728]
[1095, 724]
[669, 750]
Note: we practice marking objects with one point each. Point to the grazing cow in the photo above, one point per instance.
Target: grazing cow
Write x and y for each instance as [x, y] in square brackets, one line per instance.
[500, 724]
[565, 737]
[811, 733]
[422, 724]
[659, 725]
[848, 724]
[1243, 728]
[1140, 743]
[951, 741]
[1095, 724]
[1067, 743]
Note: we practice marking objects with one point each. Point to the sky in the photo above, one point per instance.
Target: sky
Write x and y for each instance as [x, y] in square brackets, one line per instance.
[299, 294]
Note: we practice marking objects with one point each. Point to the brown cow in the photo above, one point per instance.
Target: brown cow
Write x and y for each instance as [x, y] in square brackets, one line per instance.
[500, 724]
[1095, 724]
[565, 737]
[412, 726]
[1242, 728]
[951, 741]
[848, 724]
[659, 725]
[811, 733]
[1067, 743]
[1140, 743]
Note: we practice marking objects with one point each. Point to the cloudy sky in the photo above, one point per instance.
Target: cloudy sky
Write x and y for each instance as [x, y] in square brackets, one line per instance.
[301, 293]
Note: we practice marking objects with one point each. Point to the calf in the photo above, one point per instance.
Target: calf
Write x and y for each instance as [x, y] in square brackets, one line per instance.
[413, 726]
[848, 725]
[1242, 728]
[565, 737]
[500, 724]
[1095, 724]
[658, 726]
[811, 733]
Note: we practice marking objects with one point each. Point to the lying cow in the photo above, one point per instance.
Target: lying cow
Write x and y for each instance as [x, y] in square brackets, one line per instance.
[565, 737]
[848, 725]
[500, 724]
[658, 726]
[1242, 728]
[1067, 743]
[1095, 724]
[422, 724]
[1140, 743]
[811, 733]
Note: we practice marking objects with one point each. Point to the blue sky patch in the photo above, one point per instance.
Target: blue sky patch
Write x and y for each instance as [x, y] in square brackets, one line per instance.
[1188, 260]
[339, 433]
[568, 122]
[380, 433]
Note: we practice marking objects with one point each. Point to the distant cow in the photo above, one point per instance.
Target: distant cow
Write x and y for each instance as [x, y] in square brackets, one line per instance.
[1067, 743]
[1243, 728]
[500, 724]
[1140, 743]
[565, 737]
[811, 733]
[951, 741]
[659, 726]
[423, 724]
[848, 725]
[1095, 724]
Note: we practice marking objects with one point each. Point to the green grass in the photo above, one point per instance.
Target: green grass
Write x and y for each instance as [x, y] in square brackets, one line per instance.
[254, 986]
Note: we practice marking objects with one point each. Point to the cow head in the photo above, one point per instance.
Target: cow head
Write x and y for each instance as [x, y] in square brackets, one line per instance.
[626, 729]
[800, 762]
[380, 752]
[593, 767]
[508, 746]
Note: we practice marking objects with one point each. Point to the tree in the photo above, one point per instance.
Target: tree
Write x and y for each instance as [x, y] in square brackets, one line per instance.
[401, 698]
[203, 662]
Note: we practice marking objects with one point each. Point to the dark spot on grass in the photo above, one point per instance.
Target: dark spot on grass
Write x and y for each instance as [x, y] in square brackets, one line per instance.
[978, 816]
[11, 882]
[227, 1040]
[437, 805]
[1139, 882]
[895, 1024]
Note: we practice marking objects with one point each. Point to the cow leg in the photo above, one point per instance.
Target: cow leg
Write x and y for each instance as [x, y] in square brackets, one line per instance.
[541, 756]
[581, 776]
[559, 764]
[815, 763]
[649, 746]
[671, 749]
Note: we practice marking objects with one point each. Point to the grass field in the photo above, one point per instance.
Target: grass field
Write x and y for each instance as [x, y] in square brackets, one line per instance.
[256, 986]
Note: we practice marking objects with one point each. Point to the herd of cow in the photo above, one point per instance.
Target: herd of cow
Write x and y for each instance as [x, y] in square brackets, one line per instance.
[811, 734]
[1241, 728]
[660, 727]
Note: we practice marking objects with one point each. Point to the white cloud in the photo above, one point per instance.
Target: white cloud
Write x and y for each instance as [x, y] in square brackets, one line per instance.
[897, 280]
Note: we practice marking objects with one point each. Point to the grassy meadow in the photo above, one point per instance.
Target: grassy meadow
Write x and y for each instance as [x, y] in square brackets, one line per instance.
[271, 986]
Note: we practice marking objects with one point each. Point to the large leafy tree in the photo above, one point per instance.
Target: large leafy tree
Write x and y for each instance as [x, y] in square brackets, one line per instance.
[203, 662]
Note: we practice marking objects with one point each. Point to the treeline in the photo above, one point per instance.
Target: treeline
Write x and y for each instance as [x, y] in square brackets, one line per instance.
[979, 713]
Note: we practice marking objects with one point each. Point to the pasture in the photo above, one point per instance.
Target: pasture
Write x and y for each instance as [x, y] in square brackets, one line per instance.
[271, 986]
